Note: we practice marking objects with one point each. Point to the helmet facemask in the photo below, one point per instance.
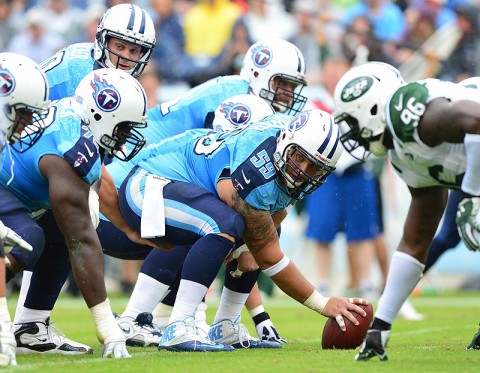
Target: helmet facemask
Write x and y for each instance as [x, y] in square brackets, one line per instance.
[27, 126]
[297, 183]
[124, 133]
[284, 94]
[106, 59]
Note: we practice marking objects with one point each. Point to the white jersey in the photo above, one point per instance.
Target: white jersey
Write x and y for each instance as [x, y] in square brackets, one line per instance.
[418, 164]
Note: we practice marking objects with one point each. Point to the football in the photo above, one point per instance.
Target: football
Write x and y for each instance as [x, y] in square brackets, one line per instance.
[334, 338]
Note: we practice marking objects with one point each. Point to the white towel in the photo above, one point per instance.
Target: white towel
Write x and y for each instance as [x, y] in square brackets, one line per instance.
[153, 209]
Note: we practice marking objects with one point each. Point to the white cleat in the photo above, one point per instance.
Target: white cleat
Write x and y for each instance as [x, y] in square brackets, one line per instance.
[139, 332]
[40, 337]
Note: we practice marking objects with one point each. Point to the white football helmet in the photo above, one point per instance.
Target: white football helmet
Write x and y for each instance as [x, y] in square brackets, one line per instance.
[23, 98]
[239, 110]
[472, 82]
[113, 105]
[126, 22]
[316, 137]
[275, 69]
[361, 96]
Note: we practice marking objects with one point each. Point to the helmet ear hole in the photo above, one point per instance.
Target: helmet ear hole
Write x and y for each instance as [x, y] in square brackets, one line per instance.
[97, 117]
[374, 110]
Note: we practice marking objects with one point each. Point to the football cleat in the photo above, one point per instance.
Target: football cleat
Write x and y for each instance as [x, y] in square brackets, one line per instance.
[183, 336]
[474, 344]
[7, 344]
[374, 345]
[139, 332]
[236, 334]
[40, 337]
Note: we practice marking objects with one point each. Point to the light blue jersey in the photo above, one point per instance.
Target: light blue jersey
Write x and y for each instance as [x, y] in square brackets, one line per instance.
[66, 68]
[64, 136]
[203, 157]
[189, 111]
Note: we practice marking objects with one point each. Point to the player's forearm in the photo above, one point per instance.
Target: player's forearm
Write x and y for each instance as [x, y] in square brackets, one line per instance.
[293, 283]
[87, 265]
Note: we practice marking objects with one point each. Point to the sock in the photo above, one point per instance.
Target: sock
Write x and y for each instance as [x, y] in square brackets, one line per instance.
[231, 305]
[189, 296]
[403, 275]
[27, 276]
[161, 314]
[145, 296]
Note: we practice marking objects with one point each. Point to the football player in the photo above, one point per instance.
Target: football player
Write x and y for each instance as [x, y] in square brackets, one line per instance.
[104, 114]
[431, 132]
[212, 190]
[124, 40]
[23, 98]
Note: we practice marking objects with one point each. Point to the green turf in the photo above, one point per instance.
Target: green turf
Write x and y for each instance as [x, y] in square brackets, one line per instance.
[436, 344]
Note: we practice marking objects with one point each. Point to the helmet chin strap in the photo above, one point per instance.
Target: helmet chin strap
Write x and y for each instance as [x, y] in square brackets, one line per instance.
[378, 149]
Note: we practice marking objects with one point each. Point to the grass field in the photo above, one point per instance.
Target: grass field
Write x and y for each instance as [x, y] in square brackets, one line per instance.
[436, 344]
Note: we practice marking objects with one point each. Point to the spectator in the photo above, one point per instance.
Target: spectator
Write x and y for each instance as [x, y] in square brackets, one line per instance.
[35, 41]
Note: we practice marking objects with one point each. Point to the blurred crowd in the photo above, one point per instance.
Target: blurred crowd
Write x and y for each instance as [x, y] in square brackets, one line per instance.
[200, 39]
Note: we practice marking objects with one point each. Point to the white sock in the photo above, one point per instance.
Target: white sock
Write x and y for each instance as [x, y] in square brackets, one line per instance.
[231, 304]
[201, 314]
[189, 296]
[161, 314]
[27, 277]
[145, 296]
[403, 275]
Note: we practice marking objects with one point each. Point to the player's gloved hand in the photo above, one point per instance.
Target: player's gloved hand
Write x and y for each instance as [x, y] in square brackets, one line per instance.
[115, 348]
[267, 332]
[7, 344]
[11, 239]
[468, 222]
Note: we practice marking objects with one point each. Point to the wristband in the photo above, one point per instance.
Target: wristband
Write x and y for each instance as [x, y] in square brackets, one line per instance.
[257, 310]
[107, 327]
[278, 267]
[316, 302]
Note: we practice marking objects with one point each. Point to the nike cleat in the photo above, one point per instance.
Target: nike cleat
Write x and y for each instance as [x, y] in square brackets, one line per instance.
[374, 345]
[183, 336]
[139, 332]
[41, 337]
[236, 334]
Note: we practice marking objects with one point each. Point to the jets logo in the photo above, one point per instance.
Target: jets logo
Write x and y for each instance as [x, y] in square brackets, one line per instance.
[356, 88]
[7, 82]
[105, 95]
[237, 114]
[262, 56]
[298, 122]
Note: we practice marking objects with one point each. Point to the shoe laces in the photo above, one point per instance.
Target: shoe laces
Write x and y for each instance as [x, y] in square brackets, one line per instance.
[54, 334]
[243, 334]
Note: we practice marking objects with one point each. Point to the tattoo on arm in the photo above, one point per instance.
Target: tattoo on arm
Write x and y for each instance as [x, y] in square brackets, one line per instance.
[259, 228]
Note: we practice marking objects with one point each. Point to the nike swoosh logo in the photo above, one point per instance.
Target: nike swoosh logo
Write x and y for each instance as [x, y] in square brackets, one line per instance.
[90, 153]
[42, 340]
[399, 106]
[247, 180]
[126, 330]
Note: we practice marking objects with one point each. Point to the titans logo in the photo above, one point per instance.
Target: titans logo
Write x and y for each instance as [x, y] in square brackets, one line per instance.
[105, 95]
[237, 114]
[298, 122]
[7, 82]
[262, 56]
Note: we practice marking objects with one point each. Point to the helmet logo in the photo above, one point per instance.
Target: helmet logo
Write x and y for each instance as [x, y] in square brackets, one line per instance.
[105, 95]
[7, 82]
[236, 113]
[356, 88]
[262, 56]
[298, 122]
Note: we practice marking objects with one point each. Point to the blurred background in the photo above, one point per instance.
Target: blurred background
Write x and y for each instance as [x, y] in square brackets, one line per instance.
[201, 39]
